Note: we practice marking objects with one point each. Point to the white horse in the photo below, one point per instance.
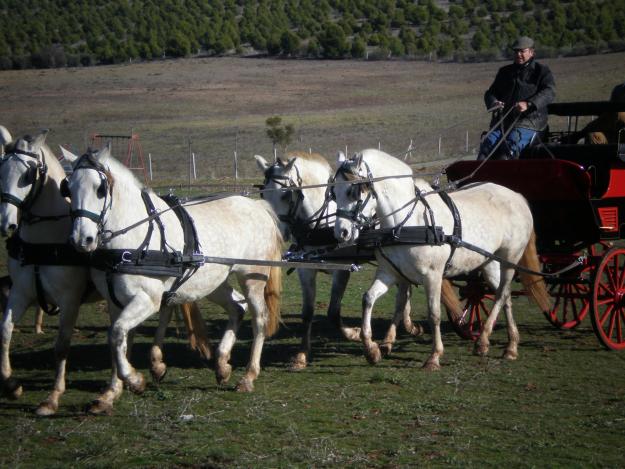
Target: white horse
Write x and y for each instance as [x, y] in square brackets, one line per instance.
[106, 198]
[308, 215]
[492, 217]
[44, 267]
[5, 282]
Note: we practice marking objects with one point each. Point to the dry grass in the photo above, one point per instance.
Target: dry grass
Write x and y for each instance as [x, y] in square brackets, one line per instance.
[214, 102]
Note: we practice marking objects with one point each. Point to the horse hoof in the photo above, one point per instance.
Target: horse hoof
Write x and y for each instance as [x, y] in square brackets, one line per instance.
[136, 383]
[158, 372]
[510, 355]
[223, 373]
[298, 362]
[100, 407]
[431, 366]
[13, 389]
[416, 330]
[39, 331]
[352, 333]
[386, 349]
[245, 385]
[47, 408]
[373, 354]
[480, 350]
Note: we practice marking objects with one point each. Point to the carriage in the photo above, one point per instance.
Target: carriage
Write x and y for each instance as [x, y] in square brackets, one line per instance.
[576, 194]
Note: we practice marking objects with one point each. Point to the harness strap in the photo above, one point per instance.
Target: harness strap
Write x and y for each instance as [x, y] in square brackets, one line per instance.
[457, 225]
[51, 310]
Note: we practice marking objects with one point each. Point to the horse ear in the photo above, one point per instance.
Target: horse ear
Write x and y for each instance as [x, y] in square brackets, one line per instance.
[68, 155]
[5, 136]
[40, 139]
[105, 151]
[262, 163]
[340, 157]
[358, 158]
[289, 165]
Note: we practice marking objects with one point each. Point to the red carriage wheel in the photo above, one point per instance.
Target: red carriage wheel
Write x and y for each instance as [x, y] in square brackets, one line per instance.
[608, 300]
[572, 294]
[476, 305]
[572, 302]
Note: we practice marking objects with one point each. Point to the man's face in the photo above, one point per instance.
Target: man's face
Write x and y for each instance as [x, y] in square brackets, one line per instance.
[521, 56]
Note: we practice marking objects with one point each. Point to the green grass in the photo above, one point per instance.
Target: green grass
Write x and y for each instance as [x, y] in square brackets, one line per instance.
[559, 405]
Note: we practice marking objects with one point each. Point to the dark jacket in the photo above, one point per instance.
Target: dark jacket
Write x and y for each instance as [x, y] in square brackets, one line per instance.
[532, 82]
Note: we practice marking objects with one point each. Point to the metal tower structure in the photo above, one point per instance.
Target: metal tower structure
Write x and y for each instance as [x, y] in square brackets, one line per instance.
[126, 148]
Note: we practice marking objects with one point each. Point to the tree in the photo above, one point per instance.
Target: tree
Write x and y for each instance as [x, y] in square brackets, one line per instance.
[333, 42]
[278, 134]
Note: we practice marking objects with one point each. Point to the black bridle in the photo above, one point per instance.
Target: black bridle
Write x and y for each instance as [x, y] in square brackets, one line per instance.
[293, 190]
[104, 191]
[34, 176]
[350, 169]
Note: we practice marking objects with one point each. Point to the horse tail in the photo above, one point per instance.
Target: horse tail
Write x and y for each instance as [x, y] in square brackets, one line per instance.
[534, 284]
[273, 288]
[196, 329]
[451, 300]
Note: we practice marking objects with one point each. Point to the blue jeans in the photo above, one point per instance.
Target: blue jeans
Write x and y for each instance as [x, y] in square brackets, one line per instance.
[517, 139]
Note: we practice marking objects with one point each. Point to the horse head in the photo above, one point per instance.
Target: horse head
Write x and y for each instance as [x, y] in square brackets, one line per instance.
[355, 197]
[90, 189]
[296, 189]
[22, 174]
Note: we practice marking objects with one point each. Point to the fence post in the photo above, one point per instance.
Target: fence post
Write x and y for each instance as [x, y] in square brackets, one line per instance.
[193, 160]
[466, 145]
[190, 168]
[150, 165]
[440, 142]
[236, 161]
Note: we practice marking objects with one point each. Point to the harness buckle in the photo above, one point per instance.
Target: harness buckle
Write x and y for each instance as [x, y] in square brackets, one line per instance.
[125, 258]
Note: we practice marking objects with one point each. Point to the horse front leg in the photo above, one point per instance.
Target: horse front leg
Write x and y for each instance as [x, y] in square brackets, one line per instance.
[254, 292]
[235, 305]
[67, 321]
[339, 284]
[140, 307]
[383, 281]
[308, 283]
[432, 286]
[16, 306]
[402, 315]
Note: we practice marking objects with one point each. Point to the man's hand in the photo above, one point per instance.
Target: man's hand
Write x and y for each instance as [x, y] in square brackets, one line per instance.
[522, 106]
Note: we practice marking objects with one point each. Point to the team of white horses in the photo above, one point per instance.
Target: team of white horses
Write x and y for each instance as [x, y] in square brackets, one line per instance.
[101, 211]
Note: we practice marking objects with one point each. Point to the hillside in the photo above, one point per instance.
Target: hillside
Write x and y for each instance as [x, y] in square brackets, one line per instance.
[58, 33]
[214, 106]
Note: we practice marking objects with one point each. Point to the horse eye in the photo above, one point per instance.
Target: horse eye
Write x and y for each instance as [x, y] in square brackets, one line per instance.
[285, 195]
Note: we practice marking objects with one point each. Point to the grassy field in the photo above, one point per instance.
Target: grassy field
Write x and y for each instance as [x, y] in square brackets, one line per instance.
[559, 405]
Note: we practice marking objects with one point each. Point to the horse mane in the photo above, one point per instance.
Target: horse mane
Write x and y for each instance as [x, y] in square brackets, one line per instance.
[117, 172]
[319, 168]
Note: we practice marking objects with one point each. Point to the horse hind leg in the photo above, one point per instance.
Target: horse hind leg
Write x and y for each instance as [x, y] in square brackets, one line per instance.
[511, 352]
[158, 368]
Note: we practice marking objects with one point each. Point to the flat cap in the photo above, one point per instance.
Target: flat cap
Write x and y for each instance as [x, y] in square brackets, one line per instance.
[523, 42]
